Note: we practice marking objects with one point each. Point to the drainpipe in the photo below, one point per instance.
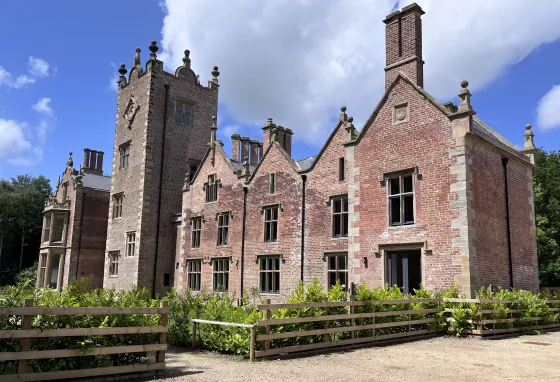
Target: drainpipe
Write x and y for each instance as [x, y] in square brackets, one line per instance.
[158, 221]
[80, 236]
[304, 180]
[508, 229]
[243, 238]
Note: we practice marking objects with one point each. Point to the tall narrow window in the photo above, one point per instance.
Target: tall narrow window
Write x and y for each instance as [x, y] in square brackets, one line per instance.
[196, 224]
[125, 155]
[401, 200]
[272, 183]
[183, 113]
[337, 269]
[47, 230]
[130, 243]
[341, 169]
[194, 272]
[271, 224]
[223, 225]
[166, 279]
[270, 274]
[58, 228]
[340, 216]
[64, 191]
[117, 206]
[42, 269]
[55, 265]
[114, 263]
[220, 274]
[211, 189]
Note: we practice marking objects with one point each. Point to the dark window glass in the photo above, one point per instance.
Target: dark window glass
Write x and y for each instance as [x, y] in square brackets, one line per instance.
[211, 189]
[183, 113]
[340, 169]
[220, 274]
[401, 200]
[166, 279]
[337, 270]
[196, 231]
[194, 272]
[271, 224]
[340, 216]
[270, 275]
[223, 228]
[272, 184]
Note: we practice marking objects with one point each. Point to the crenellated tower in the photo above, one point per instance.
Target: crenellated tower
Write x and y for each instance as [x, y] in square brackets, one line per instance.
[161, 133]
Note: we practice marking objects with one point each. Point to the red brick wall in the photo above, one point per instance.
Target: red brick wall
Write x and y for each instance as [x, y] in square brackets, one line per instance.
[230, 198]
[423, 141]
[322, 183]
[288, 192]
[489, 218]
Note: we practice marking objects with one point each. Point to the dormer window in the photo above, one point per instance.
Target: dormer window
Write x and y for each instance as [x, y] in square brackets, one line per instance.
[183, 113]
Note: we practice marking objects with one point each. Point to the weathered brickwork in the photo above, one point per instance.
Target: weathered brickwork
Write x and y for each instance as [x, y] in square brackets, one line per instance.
[152, 197]
[80, 202]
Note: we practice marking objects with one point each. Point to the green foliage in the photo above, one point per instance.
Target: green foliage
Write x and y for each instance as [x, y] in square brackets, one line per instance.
[28, 274]
[21, 218]
[79, 294]
[546, 178]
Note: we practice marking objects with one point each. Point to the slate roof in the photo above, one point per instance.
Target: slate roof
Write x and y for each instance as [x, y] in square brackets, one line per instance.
[306, 163]
[239, 166]
[487, 131]
[98, 182]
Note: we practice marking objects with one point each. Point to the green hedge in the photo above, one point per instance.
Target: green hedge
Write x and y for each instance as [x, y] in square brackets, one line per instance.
[79, 294]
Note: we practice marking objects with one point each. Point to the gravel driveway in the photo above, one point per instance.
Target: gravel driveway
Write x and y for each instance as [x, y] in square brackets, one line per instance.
[524, 358]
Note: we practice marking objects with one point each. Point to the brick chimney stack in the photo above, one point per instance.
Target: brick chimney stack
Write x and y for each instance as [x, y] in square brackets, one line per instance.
[244, 148]
[254, 157]
[93, 162]
[403, 45]
[235, 141]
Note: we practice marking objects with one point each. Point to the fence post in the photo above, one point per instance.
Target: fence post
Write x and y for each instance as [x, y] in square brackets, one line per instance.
[163, 321]
[26, 321]
[252, 344]
[326, 336]
[409, 307]
[194, 325]
[266, 316]
[352, 311]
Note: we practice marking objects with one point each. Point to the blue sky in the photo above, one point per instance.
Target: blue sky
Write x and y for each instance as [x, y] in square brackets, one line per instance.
[296, 65]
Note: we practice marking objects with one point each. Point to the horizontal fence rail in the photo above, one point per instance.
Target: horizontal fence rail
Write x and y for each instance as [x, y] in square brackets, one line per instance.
[24, 335]
[345, 326]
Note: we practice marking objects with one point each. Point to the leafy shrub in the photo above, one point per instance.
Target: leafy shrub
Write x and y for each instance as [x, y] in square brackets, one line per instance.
[80, 294]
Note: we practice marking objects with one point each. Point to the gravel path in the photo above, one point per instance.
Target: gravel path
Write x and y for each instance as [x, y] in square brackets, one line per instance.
[524, 358]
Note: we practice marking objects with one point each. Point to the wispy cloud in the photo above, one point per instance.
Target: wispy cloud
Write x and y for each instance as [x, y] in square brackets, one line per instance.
[38, 67]
[43, 107]
[548, 115]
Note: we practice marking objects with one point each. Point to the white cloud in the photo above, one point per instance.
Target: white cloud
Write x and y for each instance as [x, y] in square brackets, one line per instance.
[299, 61]
[14, 138]
[7, 79]
[21, 143]
[38, 67]
[548, 110]
[43, 107]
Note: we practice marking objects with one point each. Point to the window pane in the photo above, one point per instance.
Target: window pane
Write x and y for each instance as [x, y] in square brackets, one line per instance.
[226, 281]
[345, 205]
[337, 205]
[343, 277]
[178, 116]
[331, 279]
[276, 282]
[345, 225]
[275, 213]
[274, 231]
[341, 262]
[226, 265]
[263, 282]
[408, 206]
[336, 225]
[395, 211]
[332, 262]
[394, 186]
[277, 264]
[407, 183]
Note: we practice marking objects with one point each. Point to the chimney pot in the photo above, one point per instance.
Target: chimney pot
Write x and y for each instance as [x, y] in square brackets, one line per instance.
[85, 163]
[235, 141]
[254, 155]
[244, 147]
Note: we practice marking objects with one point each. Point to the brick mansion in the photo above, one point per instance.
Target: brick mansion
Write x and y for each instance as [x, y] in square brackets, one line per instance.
[423, 192]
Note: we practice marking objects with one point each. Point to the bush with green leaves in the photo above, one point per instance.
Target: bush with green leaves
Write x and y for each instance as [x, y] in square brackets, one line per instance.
[79, 294]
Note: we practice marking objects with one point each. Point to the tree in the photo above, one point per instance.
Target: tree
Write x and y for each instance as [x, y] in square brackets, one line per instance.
[547, 209]
[21, 218]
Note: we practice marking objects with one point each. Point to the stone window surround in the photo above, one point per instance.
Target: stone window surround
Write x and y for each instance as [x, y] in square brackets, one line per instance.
[223, 237]
[122, 152]
[114, 259]
[45, 269]
[128, 243]
[193, 218]
[279, 209]
[49, 220]
[386, 176]
[341, 169]
[116, 197]
[332, 213]
[216, 183]
[272, 183]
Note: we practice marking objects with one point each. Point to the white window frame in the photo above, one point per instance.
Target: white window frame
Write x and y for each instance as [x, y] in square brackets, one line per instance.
[113, 263]
[130, 244]
[400, 195]
[118, 200]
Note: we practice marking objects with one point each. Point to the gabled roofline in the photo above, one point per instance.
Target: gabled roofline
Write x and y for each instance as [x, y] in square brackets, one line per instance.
[324, 148]
[402, 76]
[220, 149]
[286, 155]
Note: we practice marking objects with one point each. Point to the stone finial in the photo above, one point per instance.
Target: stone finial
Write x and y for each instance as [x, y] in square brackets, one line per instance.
[343, 117]
[122, 78]
[269, 123]
[137, 58]
[153, 49]
[70, 162]
[529, 138]
[198, 79]
[350, 130]
[245, 172]
[215, 74]
[465, 96]
[213, 129]
[187, 60]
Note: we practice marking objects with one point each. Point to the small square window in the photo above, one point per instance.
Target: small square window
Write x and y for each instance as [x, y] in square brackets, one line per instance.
[183, 113]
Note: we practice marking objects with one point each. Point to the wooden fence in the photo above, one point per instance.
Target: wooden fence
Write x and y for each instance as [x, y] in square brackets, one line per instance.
[26, 333]
[490, 321]
[348, 327]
